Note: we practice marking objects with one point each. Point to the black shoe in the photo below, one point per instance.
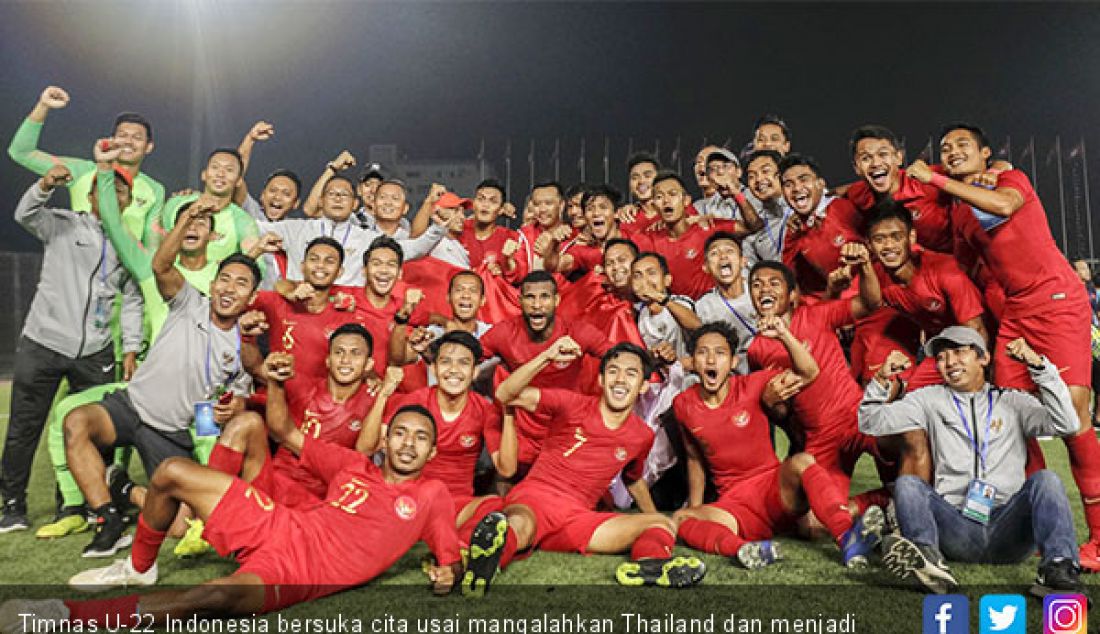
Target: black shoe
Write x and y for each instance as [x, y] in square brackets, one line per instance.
[674, 572]
[486, 548]
[120, 485]
[14, 517]
[905, 560]
[1062, 576]
[110, 534]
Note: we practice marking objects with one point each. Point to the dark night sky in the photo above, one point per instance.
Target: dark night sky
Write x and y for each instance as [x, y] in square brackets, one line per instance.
[437, 78]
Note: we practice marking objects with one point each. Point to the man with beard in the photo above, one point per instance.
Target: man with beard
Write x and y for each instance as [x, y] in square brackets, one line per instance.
[1045, 303]
[337, 204]
[762, 178]
[824, 413]
[467, 421]
[389, 508]
[520, 339]
[877, 159]
[820, 226]
[590, 440]
[729, 301]
[725, 427]
[132, 134]
[172, 387]
[682, 241]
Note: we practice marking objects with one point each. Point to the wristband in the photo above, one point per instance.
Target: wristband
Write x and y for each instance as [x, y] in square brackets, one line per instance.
[400, 319]
[739, 198]
[938, 181]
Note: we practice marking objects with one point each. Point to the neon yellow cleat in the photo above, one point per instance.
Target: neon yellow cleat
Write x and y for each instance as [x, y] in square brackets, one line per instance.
[68, 525]
[192, 544]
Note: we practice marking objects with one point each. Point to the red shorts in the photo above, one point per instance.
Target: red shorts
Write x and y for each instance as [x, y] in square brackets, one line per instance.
[839, 455]
[260, 531]
[755, 502]
[288, 491]
[1062, 335]
[561, 525]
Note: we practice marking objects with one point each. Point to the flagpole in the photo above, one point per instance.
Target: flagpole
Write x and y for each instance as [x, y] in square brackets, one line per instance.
[481, 160]
[1061, 191]
[557, 159]
[1034, 173]
[584, 162]
[657, 149]
[676, 151]
[1088, 206]
[531, 166]
[508, 169]
[606, 160]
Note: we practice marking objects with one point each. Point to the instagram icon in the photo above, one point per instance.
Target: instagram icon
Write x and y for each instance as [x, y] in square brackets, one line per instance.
[1065, 614]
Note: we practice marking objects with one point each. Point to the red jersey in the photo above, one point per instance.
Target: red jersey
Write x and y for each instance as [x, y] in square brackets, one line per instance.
[488, 249]
[826, 409]
[385, 519]
[735, 437]
[378, 322]
[686, 256]
[1020, 252]
[938, 296]
[509, 340]
[927, 203]
[458, 443]
[295, 330]
[580, 455]
[813, 250]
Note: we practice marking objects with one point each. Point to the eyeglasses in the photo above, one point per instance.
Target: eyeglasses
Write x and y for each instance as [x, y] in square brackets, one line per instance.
[337, 193]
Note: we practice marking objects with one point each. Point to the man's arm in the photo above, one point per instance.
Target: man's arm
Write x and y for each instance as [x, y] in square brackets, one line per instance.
[370, 437]
[131, 322]
[31, 213]
[423, 218]
[421, 246]
[879, 416]
[1002, 201]
[169, 279]
[802, 362]
[261, 131]
[506, 458]
[133, 257]
[870, 292]
[279, 368]
[514, 391]
[24, 145]
[696, 473]
[639, 490]
[312, 206]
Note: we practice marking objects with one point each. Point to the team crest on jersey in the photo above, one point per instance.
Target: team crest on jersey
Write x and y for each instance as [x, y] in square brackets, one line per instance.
[690, 254]
[997, 425]
[741, 419]
[934, 304]
[405, 507]
[561, 365]
[838, 239]
[620, 454]
[228, 359]
[355, 425]
[467, 440]
[916, 214]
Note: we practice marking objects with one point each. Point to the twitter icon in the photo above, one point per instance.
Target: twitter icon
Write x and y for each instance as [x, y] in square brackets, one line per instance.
[1003, 614]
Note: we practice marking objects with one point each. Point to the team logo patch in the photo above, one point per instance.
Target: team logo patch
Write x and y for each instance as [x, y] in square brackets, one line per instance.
[838, 240]
[355, 425]
[934, 304]
[228, 359]
[741, 419]
[620, 453]
[690, 254]
[561, 365]
[917, 214]
[467, 440]
[405, 507]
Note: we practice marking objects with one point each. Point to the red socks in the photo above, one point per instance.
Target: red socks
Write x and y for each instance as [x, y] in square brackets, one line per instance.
[709, 537]
[654, 543]
[226, 459]
[875, 497]
[488, 505]
[117, 613]
[826, 500]
[147, 542]
[510, 545]
[1084, 461]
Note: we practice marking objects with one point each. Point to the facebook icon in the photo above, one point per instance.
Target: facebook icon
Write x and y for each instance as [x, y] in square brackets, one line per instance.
[946, 614]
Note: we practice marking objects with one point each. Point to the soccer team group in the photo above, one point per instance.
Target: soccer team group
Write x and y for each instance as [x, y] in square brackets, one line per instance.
[323, 376]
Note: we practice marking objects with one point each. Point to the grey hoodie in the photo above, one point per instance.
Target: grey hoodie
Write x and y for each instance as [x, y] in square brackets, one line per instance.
[1016, 416]
[81, 276]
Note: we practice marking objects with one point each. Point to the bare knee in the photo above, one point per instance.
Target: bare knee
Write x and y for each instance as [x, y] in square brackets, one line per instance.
[239, 429]
[799, 462]
[75, 427]
[170, 473]
[664, 522]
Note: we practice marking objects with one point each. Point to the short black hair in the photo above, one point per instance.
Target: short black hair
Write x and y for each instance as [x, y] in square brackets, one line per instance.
[979, 134]
[183, 208]
[231, 151]
[795, 160]
[550, 183]
[772, 265]
[719, 236]
[420, 410]
[491, 183]
[133, 117]
[602, 190]
[353, 328]
[714, 327]
[872, 131]
[285, 173]
[538, 277]
[466, 272]
[577, 188]
[240, 258]
[372, 170]
[329, 242]
[623, 241]
[772, 119]
[888, 209]
[756, 154]
[628, 348]
[337, 178]
[638, 158]
[661, 261]
[669, 175]
[459, 338]
[384, 242]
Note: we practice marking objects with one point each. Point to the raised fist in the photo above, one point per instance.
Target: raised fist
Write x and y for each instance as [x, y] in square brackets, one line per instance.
[509, 248]
[54, 98]
[262, 131]
[343, 161]
[279, 367]
[106, 150]
[1019, 350]
[920, 171]
[57, 175]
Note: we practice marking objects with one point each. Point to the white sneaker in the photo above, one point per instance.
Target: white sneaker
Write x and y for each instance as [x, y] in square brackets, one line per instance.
[12, 613]
[120, 573]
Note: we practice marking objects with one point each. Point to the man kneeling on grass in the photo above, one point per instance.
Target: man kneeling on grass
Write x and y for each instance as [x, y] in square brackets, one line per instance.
[983, 507]
[590, 440]
[368, 520]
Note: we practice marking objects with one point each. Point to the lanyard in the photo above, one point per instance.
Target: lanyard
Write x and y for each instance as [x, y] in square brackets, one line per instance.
[984, 449]
[210, 335]
[782, 230]
[347, 231]
[744, 322]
